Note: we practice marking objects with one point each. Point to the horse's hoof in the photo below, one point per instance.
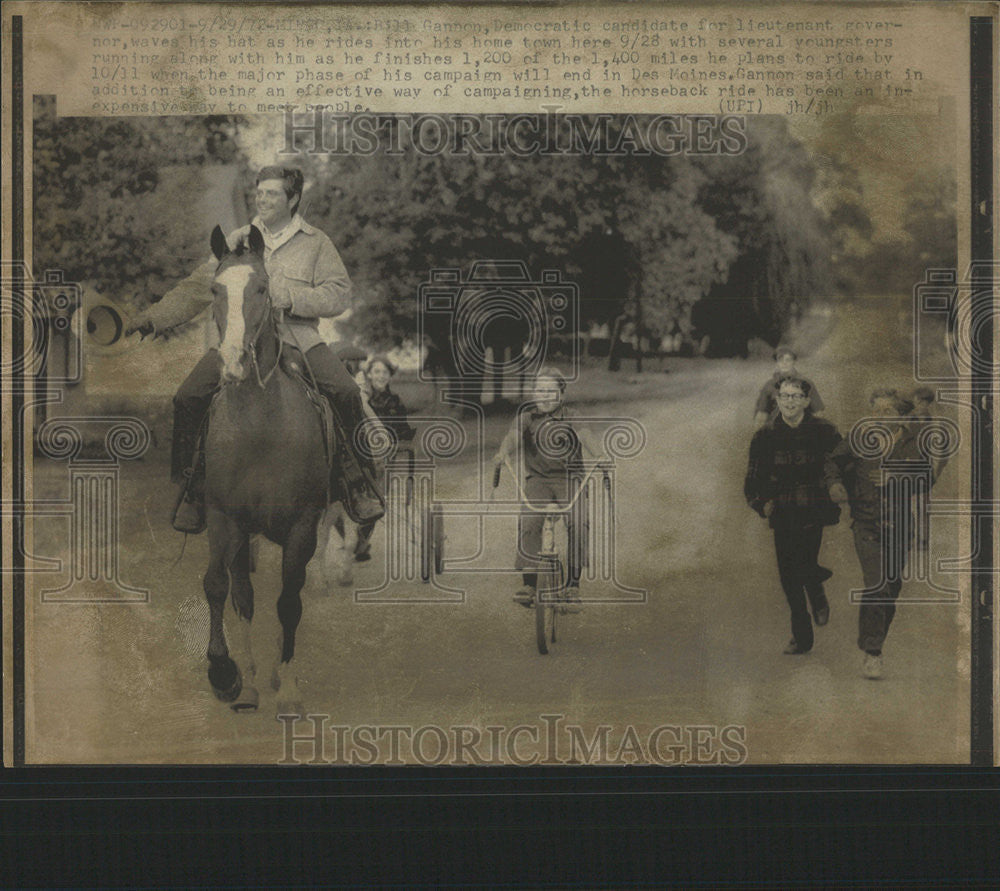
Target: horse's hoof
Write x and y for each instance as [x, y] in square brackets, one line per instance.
[248, 700]
[225, 678]
[346, 580]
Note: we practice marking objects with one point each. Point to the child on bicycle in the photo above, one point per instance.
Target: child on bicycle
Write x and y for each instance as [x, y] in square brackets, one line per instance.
[543, 436]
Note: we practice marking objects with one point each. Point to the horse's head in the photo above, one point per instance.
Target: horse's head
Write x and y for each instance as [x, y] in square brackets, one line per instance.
[240, 300]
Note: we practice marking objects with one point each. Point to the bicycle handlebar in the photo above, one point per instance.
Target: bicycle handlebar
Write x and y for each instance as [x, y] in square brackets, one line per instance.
[545, 510]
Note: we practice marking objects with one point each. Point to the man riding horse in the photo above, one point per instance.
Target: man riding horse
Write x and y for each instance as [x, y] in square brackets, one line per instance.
[308, 281]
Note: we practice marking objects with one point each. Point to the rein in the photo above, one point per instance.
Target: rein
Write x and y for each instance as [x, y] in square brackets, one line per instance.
[268, 316]
[252, 348]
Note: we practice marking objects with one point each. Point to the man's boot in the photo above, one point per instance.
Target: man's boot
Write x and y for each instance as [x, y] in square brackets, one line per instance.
[361, 498]
[189, 513]
[189, 509]
[353, 476]
[188, 473]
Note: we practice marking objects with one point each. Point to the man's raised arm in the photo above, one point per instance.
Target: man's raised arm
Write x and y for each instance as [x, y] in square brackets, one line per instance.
[179, 305]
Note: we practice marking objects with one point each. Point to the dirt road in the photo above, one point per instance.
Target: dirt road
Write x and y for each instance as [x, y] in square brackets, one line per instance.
[127, 683]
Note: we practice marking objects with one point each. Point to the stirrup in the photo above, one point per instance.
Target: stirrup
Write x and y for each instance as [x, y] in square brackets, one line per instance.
[189, 516]
[189, 513]
[363, 507]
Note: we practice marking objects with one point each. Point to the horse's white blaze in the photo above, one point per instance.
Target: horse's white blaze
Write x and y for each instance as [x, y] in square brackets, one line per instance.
[235, 280]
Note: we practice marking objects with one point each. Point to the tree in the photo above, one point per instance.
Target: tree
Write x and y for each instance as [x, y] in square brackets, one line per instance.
[888, 187]
[399, 216]
[764, 200]
[100, 210]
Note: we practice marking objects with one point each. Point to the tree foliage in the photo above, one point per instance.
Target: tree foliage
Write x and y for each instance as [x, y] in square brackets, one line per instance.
[102, 209]
[888, 188]
[764, 200]
[664, 230]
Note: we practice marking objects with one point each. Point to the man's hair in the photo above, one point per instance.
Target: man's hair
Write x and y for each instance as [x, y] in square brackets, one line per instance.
[553, 373]
[290, 176]
[924, 394]
[799, 382]
[784, 351]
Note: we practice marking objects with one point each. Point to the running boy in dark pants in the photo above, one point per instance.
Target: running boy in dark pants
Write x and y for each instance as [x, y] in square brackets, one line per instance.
[785, 484]
[883, 524]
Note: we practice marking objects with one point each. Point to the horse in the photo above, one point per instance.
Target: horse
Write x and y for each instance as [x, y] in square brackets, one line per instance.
[266, 472]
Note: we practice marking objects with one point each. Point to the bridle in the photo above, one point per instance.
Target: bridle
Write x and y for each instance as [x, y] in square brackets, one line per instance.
[251, 348]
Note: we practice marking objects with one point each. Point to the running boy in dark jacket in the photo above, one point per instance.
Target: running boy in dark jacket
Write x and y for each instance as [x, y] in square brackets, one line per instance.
[785, 484]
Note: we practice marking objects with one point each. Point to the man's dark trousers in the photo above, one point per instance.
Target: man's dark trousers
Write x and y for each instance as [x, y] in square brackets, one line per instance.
[882, 551]
[195, 395]
[797, 549]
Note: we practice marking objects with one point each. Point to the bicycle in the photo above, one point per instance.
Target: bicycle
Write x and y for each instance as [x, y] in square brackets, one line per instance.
[551, 588]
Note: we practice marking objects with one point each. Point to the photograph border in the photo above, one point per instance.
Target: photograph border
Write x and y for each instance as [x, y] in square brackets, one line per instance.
[983, 731]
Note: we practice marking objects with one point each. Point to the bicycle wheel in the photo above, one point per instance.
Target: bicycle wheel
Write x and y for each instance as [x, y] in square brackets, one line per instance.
[426, 544]
[549, 590]
[437, 538]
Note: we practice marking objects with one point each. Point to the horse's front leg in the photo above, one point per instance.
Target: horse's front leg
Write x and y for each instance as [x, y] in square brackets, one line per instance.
[242, 589]
[223, 542]
[298, 551]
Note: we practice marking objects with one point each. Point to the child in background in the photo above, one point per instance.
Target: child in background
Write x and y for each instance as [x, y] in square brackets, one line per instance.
[784, 366]
[374, 380]
[387, 405]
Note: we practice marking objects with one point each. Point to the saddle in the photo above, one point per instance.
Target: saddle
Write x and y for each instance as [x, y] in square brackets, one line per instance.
[346, 477]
